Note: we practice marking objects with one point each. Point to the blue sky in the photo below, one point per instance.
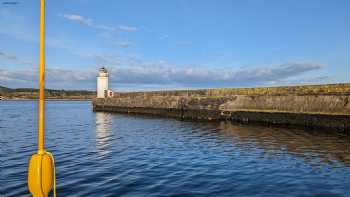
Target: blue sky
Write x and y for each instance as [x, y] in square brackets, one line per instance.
[179, 44]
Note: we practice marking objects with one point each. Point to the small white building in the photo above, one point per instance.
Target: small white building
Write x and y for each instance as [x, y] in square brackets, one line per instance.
[102, 83]
[110, 93]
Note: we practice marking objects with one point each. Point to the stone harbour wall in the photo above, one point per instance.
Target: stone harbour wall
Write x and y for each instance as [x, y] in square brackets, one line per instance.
[322, 106]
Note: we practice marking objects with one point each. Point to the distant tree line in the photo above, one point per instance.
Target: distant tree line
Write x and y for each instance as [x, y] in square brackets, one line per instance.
[32, 93]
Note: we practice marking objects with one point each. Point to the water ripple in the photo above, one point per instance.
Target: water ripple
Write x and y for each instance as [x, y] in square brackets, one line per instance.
[103, 154]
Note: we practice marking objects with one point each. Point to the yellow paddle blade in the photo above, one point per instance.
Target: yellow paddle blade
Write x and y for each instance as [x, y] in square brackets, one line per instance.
[40, 174]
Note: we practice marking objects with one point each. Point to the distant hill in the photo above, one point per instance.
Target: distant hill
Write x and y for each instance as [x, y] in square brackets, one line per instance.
[5, 89]
[31, 93]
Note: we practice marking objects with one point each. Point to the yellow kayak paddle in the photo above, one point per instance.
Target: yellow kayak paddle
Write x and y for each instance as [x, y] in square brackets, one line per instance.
[41, 170]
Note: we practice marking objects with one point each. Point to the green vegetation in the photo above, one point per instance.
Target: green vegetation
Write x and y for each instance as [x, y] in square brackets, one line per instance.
[326, 89]
[296, 90]
[30, 93]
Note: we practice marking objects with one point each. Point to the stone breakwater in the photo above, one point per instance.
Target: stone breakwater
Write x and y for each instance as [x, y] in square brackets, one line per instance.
[317, 106]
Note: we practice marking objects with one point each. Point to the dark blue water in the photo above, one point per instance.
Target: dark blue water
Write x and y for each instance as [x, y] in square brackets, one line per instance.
[103, 154]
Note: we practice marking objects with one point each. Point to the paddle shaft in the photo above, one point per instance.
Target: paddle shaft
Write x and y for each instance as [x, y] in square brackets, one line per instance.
[41, 129]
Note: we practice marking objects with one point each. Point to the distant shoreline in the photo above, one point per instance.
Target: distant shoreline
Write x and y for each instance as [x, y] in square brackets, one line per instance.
[20, 94]
[46, 99]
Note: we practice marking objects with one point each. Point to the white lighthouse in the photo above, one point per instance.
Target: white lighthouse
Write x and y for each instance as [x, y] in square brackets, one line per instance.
[102, 83]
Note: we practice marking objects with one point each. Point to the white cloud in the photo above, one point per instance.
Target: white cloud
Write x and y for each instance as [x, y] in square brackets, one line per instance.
[162, 76]
[163, 37]
[19, 28]
[7, 56]
[127, 28]
[104, 59]
[79, 19]
[196, 76]
[125, 44]
[90, 23]
[13, 58]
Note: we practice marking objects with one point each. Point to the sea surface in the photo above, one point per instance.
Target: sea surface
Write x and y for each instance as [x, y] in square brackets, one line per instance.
[105, 154]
